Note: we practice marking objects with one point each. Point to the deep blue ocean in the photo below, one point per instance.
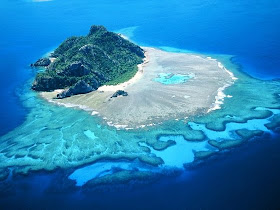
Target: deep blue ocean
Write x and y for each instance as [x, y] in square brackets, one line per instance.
[247, 29]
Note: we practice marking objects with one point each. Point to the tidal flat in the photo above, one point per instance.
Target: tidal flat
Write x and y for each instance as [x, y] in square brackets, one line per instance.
[168, 86]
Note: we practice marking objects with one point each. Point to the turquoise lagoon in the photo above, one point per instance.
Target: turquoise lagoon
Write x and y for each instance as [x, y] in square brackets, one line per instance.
[170, 78]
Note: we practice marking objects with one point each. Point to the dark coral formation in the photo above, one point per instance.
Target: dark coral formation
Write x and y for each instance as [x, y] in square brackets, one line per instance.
[119, 93]
[42, 62]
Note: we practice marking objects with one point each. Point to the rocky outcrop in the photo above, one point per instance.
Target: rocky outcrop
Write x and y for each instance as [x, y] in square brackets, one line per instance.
[45, 83]
[76, 69]
[42, 62]
[100, 76]
[86, 49]
[94, 83]
[119, 93]
[80, 87]
[96, 29]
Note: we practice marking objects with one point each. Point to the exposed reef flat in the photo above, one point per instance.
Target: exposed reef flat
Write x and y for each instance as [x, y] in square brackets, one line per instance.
[56, 137]
[149, 101]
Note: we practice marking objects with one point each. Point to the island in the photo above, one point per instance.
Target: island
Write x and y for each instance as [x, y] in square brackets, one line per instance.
[82, 64]
[129, 86]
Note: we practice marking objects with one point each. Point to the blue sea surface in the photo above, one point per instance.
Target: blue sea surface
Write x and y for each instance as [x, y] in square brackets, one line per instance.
[247, 29]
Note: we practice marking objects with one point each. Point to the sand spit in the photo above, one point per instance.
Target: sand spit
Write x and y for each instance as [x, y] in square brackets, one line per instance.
[150, 102]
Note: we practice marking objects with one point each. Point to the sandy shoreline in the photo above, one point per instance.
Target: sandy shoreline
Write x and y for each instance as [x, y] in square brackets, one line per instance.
[149, 102]
[133, 80]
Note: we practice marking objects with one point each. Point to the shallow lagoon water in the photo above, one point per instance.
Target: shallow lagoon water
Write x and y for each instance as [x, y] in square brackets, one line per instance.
[51, 137]
[170, 79]
[85, 174]
[228, 133]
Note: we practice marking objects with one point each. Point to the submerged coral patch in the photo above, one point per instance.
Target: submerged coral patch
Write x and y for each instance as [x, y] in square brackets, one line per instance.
[181, 153]
[103, 168]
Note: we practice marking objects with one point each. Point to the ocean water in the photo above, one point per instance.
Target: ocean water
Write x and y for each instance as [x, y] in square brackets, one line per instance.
[246, 30]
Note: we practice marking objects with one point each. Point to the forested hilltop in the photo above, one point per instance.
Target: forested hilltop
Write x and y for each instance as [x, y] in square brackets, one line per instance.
[101, 57]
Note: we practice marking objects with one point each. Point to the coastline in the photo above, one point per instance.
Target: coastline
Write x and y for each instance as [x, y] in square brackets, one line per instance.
[156, 102]
[105, 88]
[131, 81]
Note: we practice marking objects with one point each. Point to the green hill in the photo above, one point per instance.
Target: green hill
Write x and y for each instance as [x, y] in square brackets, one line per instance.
[101, 57]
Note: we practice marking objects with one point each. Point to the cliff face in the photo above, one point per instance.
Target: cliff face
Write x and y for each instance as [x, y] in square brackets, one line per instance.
[98, 58]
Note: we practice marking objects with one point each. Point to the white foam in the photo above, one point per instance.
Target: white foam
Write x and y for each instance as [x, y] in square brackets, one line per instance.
[69, 105]
[219, 99]
[120, 126]
[229, 72]
[94, 113]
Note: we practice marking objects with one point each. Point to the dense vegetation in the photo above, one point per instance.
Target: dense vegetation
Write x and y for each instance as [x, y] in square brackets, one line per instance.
[101, 57]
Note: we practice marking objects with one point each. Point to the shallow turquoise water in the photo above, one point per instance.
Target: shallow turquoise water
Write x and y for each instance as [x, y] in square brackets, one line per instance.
[171, 79]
